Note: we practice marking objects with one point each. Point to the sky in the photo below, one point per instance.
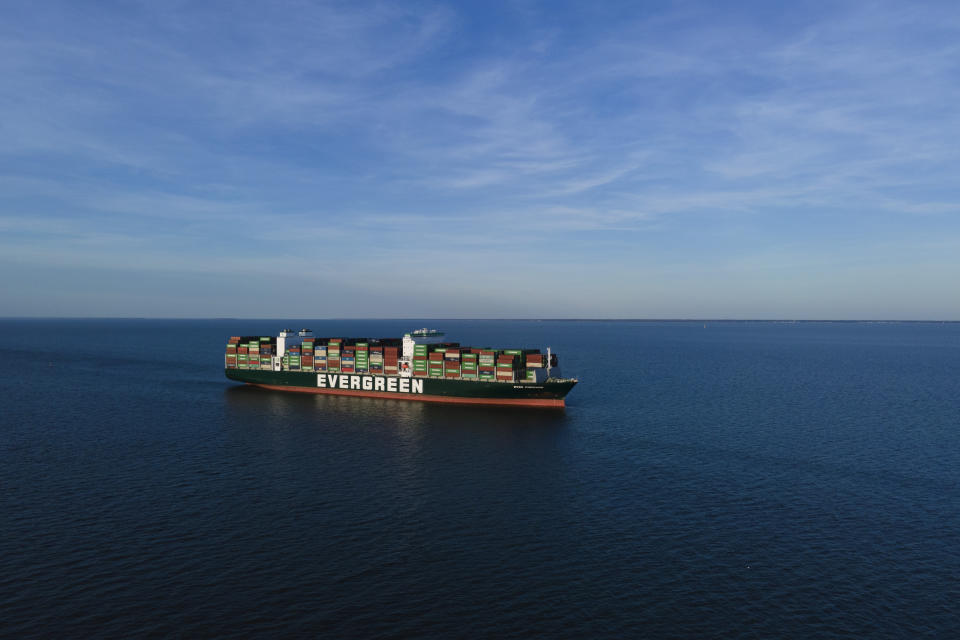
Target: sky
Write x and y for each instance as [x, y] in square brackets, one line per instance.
[480, 160]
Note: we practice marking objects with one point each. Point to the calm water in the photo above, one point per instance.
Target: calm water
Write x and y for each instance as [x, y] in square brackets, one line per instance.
[744, 479]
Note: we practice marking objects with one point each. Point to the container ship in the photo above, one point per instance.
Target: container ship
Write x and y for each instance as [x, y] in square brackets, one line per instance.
[420, 366]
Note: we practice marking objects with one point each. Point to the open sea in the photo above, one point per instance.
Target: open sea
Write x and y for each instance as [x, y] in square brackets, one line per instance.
[727, 479]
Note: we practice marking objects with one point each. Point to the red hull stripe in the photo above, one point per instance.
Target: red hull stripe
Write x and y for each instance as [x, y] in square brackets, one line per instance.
[419, 397]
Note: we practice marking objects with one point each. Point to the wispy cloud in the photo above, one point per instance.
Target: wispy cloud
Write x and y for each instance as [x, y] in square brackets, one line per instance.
[193, 131]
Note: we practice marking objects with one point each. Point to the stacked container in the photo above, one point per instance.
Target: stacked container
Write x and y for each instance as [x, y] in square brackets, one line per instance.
[306, 358]
[376, 358]
[320, 357]
[292, 359]
[533, 360]
[487, 364]
[266, 353]
[390, 361]
[435, 364]
[231, 356]
[420, 360]
[363, 357]
[506, 365]
[451, 363]
[381, 357]
[333, 355]
[469, 366]
[242, 356]
[348, 359]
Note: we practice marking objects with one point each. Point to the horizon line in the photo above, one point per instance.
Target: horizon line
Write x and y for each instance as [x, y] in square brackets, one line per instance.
[505, 319]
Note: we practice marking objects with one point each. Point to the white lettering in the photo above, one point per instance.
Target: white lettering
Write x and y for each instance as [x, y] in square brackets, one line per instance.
[372, 383]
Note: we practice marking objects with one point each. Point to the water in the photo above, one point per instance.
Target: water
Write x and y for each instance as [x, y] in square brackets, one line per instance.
[739, 480]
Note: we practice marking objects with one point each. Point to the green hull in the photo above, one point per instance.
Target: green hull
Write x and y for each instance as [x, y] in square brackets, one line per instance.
[550, 393]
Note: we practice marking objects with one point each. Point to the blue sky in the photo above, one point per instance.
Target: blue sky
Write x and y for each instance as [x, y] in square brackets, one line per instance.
[520, 159]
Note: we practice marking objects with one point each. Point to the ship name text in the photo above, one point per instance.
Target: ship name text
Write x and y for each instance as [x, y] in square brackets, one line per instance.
[369, 383]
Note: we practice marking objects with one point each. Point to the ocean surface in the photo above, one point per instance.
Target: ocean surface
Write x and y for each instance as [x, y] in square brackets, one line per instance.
[727, 479]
